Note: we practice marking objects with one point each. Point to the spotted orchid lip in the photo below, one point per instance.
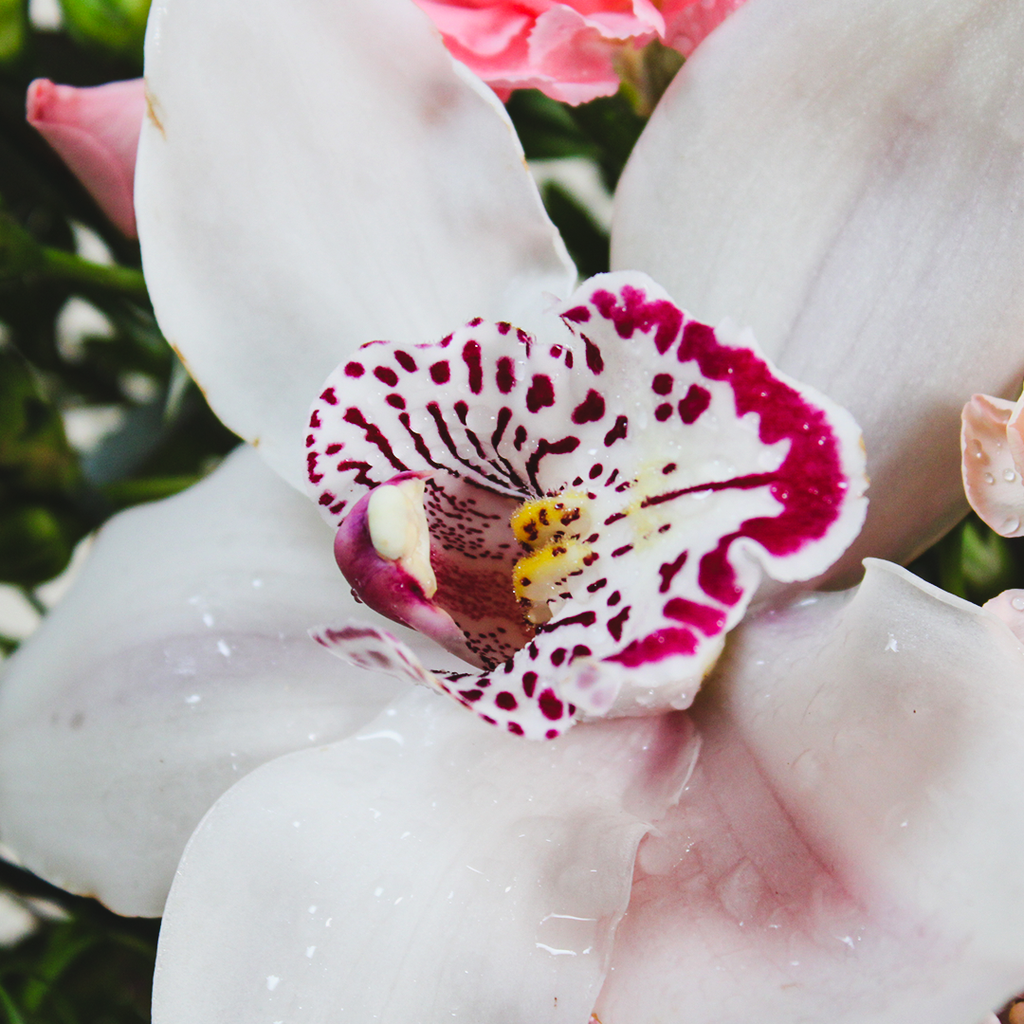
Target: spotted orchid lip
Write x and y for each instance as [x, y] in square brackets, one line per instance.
[600, 504]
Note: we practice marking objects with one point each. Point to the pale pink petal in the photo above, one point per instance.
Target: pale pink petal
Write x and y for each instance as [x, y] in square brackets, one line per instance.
[426, 870]
[96, 133]
[177, 662]
[664, 469]
[1008, 607]
[844, 177]
[992, 477]
[848, 848]
[327, 179]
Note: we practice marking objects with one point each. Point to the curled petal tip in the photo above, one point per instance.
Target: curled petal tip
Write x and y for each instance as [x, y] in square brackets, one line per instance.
[382, 549]
[991, 472]
[95, 131]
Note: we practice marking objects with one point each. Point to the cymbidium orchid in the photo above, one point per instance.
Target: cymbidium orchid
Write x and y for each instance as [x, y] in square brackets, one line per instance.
[833, 832]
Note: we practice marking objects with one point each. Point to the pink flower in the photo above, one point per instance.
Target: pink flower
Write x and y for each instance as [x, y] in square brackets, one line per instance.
[95, 132]
[567, 50]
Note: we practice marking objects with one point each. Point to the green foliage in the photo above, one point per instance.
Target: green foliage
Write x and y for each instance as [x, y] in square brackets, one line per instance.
[13, 29]
[118, 26]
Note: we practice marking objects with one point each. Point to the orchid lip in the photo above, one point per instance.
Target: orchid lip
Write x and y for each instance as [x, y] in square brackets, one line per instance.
[583, 516]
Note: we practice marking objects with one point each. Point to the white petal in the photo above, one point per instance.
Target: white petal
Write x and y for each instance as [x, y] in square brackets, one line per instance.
[992, 480]
[428, 869]
[845, 177]
[326, 179]
[177, 663]
[848, 848]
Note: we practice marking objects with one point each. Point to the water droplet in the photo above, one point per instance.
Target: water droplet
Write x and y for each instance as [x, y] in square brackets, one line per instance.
[976, 448]
[989, 478]
[1010, 526]
[1018, 604]
[1009, 476]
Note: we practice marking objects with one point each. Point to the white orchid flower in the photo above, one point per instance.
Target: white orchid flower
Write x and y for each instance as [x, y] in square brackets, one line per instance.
[833, 830]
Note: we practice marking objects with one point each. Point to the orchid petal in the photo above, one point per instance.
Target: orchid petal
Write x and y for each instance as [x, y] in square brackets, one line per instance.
[664, 469]
[178, 662]
[991, 474]
[845, 177]
[95, 131]
[329, 179]
[424, 869]
[848, 847]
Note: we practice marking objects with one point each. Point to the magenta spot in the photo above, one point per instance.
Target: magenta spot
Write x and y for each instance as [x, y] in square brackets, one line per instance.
[386, 375]
[616, 624]
[541, 393]
[625, 549]
[595, 361]
[662, 384]
[471, 357]
[656, 646]
[471, 695]
[577, 315]
[596, 470]
[593, 588]
[314, 419]
[550, 706]
[329, 396]
[590, 409]
[529, 683]
[515, 728]
[614, 599]
[519, 437]
[310, 440]
[326, 498]
[617, 433]
[395, 401]
[558, 656]
[635, 313]
[551, 734]
[694, 404]
[476, 321]
[669, 467]
[354, 369]
[333, 449]
[708, 620]
[504, 327]
[506, 701]
[581, 651]
[440, 372]
[505, 378]
[663, 412]
[405, 361]
[669, 569]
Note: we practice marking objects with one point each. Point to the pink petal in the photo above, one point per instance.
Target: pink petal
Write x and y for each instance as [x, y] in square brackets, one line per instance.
[95, 132]
[992, 477]
[687, 22]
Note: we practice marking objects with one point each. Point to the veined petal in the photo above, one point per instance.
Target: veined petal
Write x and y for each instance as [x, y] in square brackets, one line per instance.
[328, 179]
[423, 870]
[847, 177]
[664, 468]
[848, 847]
[178, 662]
[991, 472]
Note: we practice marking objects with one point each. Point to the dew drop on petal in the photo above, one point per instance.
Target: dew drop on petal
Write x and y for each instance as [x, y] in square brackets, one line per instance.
[1018, 604]
[1009, 475]
[989, 478]
[1010, 526]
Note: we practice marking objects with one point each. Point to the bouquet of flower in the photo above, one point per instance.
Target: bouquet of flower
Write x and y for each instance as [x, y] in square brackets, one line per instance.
[582, 376]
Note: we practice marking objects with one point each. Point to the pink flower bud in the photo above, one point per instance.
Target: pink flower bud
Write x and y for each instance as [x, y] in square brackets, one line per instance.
[95, 132]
